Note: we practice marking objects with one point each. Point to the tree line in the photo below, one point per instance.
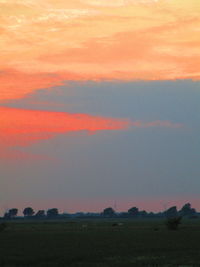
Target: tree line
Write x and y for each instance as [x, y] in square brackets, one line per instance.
[109, 212]
[185, 211]
[29, 212]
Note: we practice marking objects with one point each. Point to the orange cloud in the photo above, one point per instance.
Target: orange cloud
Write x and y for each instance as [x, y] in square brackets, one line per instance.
[44, 43]
[24, 127]
[15, 84]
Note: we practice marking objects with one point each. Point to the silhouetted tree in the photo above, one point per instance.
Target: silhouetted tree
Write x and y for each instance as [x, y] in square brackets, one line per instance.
[6, 215]
[173, 223]
[40, 214]
[171, 212]
[143, 213]
[133, 211]
[109, 212]
[187, 210]
[51, 213]
[3, 226]
[13, 212]
[28, 211]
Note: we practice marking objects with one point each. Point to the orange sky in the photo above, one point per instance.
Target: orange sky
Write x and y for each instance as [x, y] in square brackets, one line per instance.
[47, 42]
[21, 127]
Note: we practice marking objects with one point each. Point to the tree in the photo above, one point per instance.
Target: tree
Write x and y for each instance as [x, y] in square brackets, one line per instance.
[173, 223]
[187, 210]
[13, 212]
[28, 212]
[3, 226]
[109, 212]
[143, 213]
[171, 212]
[51, 213]
[40, 214]
[6, 216]
[133, 211]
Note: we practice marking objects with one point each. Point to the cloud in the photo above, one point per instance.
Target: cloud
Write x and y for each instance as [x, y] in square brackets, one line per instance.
[24, 127]
[135, 55]
[45, 43]
[20, 127]
[158, 123]
[15, 84]
[118, 3]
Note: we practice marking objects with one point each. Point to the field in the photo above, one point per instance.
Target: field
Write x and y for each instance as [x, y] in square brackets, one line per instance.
[97, 243]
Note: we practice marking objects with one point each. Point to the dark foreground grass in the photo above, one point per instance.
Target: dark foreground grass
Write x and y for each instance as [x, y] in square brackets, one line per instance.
[99, 244]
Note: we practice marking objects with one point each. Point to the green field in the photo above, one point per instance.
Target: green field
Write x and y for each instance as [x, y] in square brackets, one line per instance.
[97, 243]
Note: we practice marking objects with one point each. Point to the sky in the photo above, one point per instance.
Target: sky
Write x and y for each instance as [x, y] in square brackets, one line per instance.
[99, 104]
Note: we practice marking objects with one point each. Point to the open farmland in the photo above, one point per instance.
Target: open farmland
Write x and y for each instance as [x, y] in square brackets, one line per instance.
[100, 243]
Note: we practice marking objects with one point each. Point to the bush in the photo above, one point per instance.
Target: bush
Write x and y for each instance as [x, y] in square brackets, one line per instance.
[173, 223]
[2, 226]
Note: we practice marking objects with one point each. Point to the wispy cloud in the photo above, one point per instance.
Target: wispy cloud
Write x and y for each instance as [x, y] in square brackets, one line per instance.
[158, 123]
[19, 127]
[24, 127]
[121, 39]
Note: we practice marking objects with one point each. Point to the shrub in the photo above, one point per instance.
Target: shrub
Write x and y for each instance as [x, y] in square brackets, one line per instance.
[2, 226]
[173, 223]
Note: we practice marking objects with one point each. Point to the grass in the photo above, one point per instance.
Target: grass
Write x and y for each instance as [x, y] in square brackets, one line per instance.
[97, 243]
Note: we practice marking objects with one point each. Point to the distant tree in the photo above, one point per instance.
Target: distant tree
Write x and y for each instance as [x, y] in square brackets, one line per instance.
[171, 212]
[186, 210]
[6, 215]
[13, 212]
[28, 212]
[40, 214]
[51, 213]
[109, 212]
[3, 226]
[173, 223]
[133, 211]
[143, 213]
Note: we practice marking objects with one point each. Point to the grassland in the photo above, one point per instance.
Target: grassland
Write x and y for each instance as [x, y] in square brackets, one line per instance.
[97, 243]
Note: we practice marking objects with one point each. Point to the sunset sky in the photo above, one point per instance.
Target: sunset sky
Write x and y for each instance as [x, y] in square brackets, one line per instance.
[99, 104]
